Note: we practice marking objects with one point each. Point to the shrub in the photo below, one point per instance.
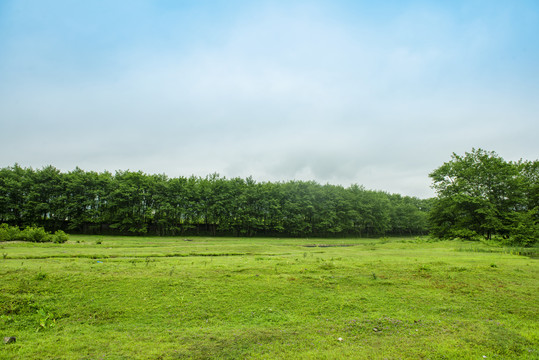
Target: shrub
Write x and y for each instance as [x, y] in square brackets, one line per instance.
[60, 237]
[35, 234]
[466, 234]
[9, 233]
[31, 233]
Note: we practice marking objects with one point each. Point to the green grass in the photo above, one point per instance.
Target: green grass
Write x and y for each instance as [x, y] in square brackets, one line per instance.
[167, 298]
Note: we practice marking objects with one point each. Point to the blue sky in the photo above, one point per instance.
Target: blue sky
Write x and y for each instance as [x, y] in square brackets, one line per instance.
[373, 93]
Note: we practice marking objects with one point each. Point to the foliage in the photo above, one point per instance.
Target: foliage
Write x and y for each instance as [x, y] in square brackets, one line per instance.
[60, 237]
[525, 229]
[9, 233]
[135, 203]
[482, 195]
[46, 319]
[31, 234]
[35, 234]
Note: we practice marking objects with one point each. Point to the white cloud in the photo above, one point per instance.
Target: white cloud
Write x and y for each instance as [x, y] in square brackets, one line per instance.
[288, 93]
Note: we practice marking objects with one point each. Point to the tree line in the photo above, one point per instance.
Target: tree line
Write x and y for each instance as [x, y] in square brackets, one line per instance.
[129, 202]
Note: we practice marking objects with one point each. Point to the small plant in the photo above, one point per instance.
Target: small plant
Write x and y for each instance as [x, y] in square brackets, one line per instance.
[41, 276]
[327, 266]
[46, 319]
[6, 319]
[423, 268]
[4, 255]
[374, 276]
[98, 242]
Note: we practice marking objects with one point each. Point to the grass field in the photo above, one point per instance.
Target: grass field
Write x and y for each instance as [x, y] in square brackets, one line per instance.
[169, 298]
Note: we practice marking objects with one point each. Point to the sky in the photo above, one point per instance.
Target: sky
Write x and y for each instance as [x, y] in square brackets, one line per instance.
[375, 93]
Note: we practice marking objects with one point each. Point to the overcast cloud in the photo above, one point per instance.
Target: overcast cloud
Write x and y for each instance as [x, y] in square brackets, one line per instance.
[333, 91]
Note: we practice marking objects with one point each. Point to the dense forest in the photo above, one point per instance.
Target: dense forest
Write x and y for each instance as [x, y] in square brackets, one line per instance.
[130, 202]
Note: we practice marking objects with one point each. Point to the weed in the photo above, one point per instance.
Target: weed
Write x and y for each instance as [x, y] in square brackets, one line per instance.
[41, 276]
[327, 266]
[423, 268]
[6, 319]
[148, 260]
[46, 319]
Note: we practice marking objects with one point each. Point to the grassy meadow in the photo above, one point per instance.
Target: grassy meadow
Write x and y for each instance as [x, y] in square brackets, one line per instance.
[98, 297]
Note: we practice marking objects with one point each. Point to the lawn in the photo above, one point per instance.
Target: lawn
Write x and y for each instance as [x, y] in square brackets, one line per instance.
[98, 297]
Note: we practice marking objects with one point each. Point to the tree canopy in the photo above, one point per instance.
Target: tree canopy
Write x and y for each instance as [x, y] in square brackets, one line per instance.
[482, 195]
[129, 202]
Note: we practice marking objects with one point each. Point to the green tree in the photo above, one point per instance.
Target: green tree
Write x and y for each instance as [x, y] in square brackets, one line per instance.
[12, 194]
[408, 215]
[128, 202]
[480, 194]
[136, 203]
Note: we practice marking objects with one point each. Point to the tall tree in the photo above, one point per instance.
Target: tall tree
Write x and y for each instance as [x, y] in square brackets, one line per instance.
[136, 203]
[480, 194]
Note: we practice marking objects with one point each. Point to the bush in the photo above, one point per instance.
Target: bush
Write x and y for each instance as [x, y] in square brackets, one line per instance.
[466, 234]
[35, 234]
[4, 232]
[30, 233]
[60, 237]
[9, 233]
